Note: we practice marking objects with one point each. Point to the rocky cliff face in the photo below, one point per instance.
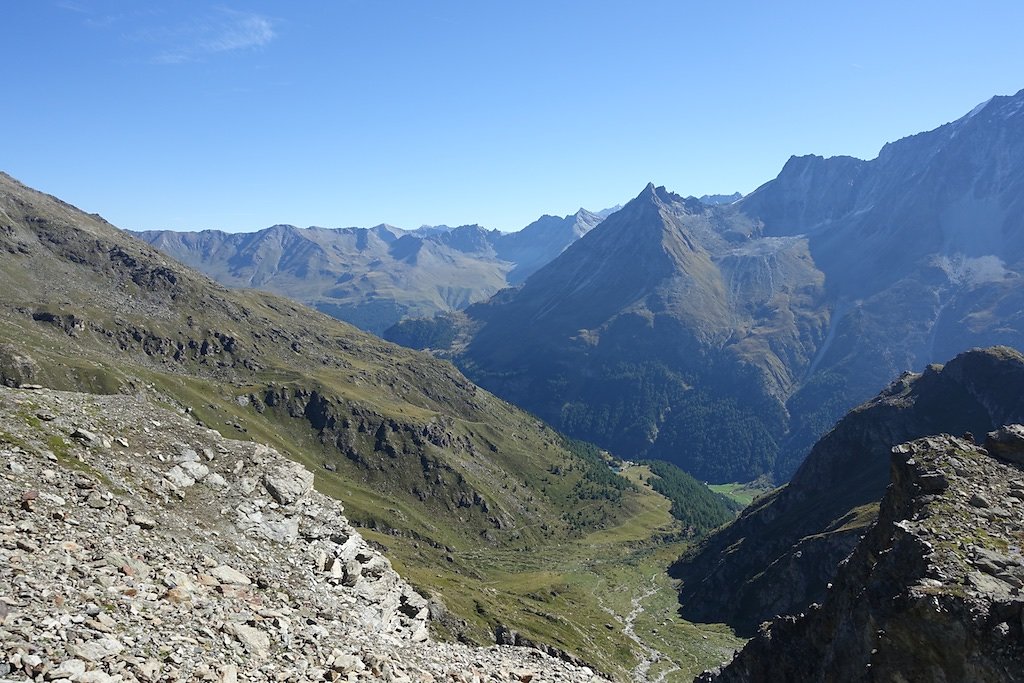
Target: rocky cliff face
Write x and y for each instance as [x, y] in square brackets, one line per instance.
[932, 593]
[136, 545]
[779, 555]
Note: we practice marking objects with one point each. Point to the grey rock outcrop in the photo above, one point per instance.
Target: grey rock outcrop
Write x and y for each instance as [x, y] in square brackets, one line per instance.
[288, 482]
[16, 366]
[932, 593]
[1007, 443]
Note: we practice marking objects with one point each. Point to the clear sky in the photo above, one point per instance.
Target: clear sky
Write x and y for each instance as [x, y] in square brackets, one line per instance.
[239, 115]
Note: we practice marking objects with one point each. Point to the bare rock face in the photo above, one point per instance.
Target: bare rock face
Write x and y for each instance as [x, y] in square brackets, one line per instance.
[1007, 443]
[288, 482]
[126, 556]
[16, 366]
[932, 592]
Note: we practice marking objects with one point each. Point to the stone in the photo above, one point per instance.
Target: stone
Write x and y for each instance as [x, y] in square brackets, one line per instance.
[179, 478]
[28, 499]
[989, 560]
[255, 641]
[85, 436]
[97, 650]
[227, 673]
[195, 470]
[148, 670]
[1007, 443]
[932, 482]
[215, 481]
[187, 454]
[345, 664]
[97, 501]
[987, 584]
[178, 595]
[229, 575]
[70, 668]
[143, 520]
[287, 483]
[980, 501]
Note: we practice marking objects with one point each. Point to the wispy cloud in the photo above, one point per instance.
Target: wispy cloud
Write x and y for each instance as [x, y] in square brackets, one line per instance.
[221, 31]
[175, 39]
[73, 7]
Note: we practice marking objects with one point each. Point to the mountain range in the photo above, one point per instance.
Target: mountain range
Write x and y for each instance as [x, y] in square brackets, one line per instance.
[374, 277]
[725, 334]
[772, 314]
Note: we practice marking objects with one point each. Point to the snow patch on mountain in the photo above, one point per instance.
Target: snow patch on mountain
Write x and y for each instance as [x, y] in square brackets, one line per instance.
[965, 270]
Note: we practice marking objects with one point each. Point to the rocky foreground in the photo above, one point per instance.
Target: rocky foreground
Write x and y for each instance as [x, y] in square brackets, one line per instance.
[933, 591]
[136, 545]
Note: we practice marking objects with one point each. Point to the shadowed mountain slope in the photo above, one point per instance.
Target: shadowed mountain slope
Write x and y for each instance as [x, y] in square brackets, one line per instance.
[779, 555]
[670, 331]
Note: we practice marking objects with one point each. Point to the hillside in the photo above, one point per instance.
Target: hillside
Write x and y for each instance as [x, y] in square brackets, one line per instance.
[779, 556]
[374, 277]
[729, 337]
[932, 591]
[226, 563]
[451, 479]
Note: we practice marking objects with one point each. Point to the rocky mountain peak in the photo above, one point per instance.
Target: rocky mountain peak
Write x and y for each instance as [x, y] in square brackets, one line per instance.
[657, 195]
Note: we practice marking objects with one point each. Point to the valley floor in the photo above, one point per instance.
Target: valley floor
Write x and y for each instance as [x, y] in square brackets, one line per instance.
[606, 596]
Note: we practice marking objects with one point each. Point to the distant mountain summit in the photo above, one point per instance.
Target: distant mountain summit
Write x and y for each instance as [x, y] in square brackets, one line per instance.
[540, 241]
[727, 337]
[373, 277]
[721, 198]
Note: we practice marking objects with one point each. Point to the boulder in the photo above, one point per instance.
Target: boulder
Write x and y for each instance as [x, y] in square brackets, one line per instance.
[1007, 443]
[288, 482]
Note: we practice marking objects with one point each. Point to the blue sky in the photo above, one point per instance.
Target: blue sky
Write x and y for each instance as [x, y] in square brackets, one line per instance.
[236, 116]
